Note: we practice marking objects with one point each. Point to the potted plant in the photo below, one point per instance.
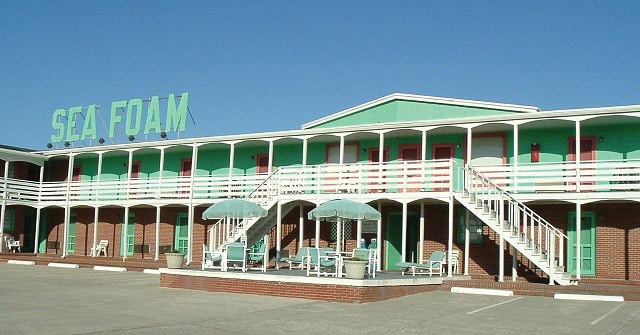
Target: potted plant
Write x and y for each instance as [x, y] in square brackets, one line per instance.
[355, 267]
[174, 259]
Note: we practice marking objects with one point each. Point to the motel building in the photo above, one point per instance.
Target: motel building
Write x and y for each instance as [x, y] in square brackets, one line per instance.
[512, 190]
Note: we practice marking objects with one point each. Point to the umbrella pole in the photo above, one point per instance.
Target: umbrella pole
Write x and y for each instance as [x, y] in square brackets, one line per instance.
[339, 237]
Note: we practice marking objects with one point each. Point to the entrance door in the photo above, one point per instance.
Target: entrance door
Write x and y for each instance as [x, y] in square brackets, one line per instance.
[262, 163]
[377, 173]
[587, 242]
[393, 244]
[29, 229]
[185, 171]
[587, 153]
[127, 240]
[182, 233]
[71, 236]
[439, 152]
[411, 153]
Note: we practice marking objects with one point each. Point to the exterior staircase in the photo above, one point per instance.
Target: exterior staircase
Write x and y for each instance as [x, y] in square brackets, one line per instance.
[530, 234]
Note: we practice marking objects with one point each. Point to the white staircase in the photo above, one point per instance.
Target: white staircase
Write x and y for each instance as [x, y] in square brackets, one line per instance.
[530, 234]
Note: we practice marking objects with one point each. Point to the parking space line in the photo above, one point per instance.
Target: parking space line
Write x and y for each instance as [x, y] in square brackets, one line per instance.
[494, 305]
[607, 314]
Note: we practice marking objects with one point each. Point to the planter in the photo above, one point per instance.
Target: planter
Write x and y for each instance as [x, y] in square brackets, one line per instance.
[174, 260]
[354, 269]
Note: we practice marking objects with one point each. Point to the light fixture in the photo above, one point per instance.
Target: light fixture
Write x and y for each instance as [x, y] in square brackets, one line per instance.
[600, 139]
[67, 144]
[49, 145]
[101, 140]
[253, 157]
[163, 135]
[364, 150]
[458, 146]
[131, 138]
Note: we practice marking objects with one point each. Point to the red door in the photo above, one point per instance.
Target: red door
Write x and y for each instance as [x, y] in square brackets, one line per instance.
[377, 173]
[410, 153]
[587, 154]
[441, 151]
[185, 171]
[262, 163]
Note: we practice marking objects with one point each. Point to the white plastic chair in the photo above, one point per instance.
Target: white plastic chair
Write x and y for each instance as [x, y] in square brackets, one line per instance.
[12, 244]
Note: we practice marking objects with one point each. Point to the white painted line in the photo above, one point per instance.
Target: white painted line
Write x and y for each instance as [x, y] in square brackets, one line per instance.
[152, 271]
[587, 297]
[110, 268]
[483, 291]
[64, 265]
[604, 316]
[16, 262]
[494, 305]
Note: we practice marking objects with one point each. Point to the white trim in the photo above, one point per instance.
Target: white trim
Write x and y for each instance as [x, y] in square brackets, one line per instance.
[16, 262]
[64, 265]
[482, 291]
[422, 98]
[587, 297]
[110, 268]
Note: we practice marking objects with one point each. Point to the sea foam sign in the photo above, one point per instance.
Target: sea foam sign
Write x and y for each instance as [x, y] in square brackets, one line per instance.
[73, 125]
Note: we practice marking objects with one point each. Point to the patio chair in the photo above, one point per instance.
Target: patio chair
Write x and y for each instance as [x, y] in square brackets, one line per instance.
[234, 254]
[12, 244]
[370, 256]
[455, 254]
[210, 259]
[320, 262]
[433, 265]
[259, 257]
[101, 248]
[299, 260]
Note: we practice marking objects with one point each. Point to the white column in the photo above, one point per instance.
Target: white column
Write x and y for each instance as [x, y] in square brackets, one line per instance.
[317, 233]
[501, 245]
[160, 173]
[67, 209]
[270, 167]
[301, 226]
[339, 235]
[4, 204]
[514, 264]
[469, 144]
[380, 161]
[278, 228]
[404, 232]
[126, 208]
[577, 150]
[516, 154]
[232, 153]
[36, 242]
[305, 149]
[423, 152]
[157, 243]
[578, 241]
[421, 245]
[97, 208]
[379, 238]
[450, 237]
[467, 236]
[358, 232]
[190, 213]
[341, 149]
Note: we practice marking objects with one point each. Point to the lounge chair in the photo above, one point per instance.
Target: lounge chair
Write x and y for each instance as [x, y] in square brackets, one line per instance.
[234, 254]
[433, 265]
[370, 256]
[12, 244]
[259, 257]
[210, 260]
[321, 262]
[299, 260]
[100, 249]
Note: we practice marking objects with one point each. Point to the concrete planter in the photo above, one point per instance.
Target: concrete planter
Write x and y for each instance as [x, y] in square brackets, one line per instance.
[354, 269]
[174, 260]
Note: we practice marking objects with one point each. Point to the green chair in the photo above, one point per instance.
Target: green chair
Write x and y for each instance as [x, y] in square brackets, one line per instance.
[370, 256]
[299, 260]
[321, 262]
[234, 254]
[210, 260]
[259, 257]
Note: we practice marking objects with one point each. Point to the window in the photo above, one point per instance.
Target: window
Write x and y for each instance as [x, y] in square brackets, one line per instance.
[475, 228]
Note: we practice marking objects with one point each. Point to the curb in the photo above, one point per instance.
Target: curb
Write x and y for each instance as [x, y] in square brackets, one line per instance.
[482, 291]
[64, 265]
[110, 268]
[16, 262]
[588, 297]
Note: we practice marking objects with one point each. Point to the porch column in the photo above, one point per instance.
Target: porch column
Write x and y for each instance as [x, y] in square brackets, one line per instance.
[379, 238]
[36, 246]
[501, 244]
[404, 232]
[123, 234]
[305, 148]
[161, 170]
[578, 241]
[190, 213]
[232, 153]
[380, 160]
[514, 263]
[467, 236]
[4, 204]
[358, 233]
[516, 143]
[341, 149]
[97, 208]
[577, 156]
[278, 228]
[67, 209]
[450, 237]
[423, 151]
[301, 226]
[157, 246]
[270, 167]
[317, 233]
[421, 245]
[339, 235]
[469, 145]
[126, 208]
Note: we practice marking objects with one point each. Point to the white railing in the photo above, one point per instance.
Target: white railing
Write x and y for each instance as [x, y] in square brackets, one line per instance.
[587, 176]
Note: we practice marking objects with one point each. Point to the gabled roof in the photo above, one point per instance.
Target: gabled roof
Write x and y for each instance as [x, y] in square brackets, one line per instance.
[421, 98]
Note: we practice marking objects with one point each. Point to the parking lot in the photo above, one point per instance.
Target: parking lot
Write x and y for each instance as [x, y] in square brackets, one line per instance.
[40, 299]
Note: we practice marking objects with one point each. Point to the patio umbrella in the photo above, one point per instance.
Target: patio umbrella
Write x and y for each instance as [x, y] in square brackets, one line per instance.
[234, 209]
[341, 209]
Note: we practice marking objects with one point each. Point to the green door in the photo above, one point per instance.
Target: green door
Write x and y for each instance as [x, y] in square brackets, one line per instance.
[182, 233]
[587, 242]
[129, 238]
[393, 244]
[71, 241]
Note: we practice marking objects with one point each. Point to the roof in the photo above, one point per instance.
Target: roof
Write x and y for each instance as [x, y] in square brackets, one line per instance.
[421, 98]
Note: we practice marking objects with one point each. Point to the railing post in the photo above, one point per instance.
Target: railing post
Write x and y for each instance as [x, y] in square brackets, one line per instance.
[552, 257]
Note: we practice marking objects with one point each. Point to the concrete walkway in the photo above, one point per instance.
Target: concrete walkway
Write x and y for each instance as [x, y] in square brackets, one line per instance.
[39, 299]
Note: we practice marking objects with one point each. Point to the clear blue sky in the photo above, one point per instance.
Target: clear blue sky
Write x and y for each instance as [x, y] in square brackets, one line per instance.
[253, 66]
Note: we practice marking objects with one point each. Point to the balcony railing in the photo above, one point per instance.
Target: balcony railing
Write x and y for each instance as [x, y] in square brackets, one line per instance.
[359, 178]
